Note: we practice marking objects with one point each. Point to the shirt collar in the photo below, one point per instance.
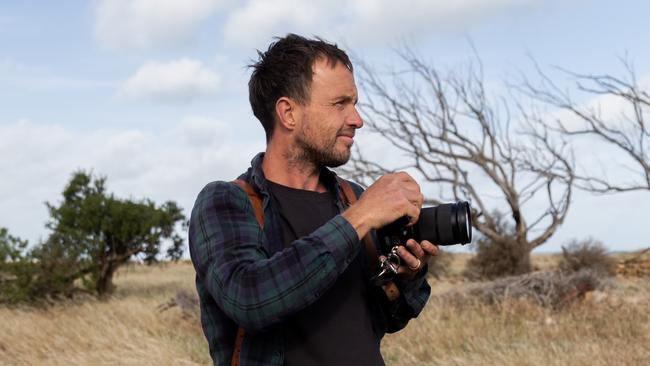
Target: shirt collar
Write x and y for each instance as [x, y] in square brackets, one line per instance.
[258, 180]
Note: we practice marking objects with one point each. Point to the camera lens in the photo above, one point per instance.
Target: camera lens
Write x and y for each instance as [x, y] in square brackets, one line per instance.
[446, 224]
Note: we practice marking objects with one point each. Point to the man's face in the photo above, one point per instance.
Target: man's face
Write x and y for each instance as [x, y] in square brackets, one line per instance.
[329, 120]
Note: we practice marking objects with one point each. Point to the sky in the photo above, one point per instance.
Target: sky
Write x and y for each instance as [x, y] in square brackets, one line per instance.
[153, 93]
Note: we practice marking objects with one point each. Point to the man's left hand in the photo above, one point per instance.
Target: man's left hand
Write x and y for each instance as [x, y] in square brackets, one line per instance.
[414, 256]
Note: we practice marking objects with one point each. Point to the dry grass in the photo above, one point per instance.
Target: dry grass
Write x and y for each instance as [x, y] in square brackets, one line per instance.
[539, 261]
[611, 327]
[606, 329]
[125, 330]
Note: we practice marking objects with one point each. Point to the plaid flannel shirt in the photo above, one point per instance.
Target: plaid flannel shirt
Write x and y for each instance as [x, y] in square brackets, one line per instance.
[245, 277]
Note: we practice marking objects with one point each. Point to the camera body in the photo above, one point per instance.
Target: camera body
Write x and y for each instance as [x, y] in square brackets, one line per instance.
[446, 224]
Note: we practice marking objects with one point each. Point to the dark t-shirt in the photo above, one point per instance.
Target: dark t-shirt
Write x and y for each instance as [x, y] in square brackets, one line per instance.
[337, 328]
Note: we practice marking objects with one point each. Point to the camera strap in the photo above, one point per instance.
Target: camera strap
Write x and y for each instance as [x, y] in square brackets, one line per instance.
[349, 197]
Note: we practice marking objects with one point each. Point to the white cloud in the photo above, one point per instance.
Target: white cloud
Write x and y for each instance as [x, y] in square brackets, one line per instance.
[141, 24]
[379, 19]
[375, 21]
[198, 131]
[612, 109]
[181, 80]
[168, 165]
[129, 24]
[594, 155]
[258, 20]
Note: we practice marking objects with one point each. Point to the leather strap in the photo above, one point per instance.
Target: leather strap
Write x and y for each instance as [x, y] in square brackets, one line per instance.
[259, 216]
[256, 201]
[390, 288]
[350, 197]
[236, 354]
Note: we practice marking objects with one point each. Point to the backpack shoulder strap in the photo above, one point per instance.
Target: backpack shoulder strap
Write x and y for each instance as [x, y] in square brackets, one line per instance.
[349, 197]
[256, 201]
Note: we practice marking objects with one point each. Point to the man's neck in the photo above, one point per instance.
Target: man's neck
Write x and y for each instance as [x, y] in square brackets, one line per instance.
[281, 166]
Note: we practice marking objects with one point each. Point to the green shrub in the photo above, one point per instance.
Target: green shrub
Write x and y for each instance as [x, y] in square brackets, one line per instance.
[30, 275]
[92, 234]
[16, 268]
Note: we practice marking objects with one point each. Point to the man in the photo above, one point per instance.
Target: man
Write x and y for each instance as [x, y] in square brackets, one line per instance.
[298, 289]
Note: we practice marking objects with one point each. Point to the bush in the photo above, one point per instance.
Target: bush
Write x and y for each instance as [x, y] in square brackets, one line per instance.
[17, 269]
[93, 233]
[44, 272]
[99, 232]
[11, 247]
[495, 259]
[587, 254]
[498, 259]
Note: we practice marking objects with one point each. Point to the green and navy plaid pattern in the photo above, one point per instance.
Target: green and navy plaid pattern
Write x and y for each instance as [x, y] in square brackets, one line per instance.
[245, 278]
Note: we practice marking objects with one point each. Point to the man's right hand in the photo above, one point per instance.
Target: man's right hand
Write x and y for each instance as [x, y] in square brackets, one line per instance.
[392, 196]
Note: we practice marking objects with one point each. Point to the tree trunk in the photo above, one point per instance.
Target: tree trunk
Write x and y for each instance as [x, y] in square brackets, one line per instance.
[523, 263]
[104, 284]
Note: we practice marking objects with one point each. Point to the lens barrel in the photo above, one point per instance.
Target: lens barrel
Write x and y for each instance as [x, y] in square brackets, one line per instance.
[446, 224]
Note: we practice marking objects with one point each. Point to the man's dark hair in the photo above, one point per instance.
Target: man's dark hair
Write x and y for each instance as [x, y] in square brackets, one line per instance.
[285, 70]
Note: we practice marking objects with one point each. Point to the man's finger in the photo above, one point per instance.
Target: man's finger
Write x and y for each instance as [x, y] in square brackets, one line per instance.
[413, 212]
[405, 177]
[415, 248]
[429, 248]
[408, 259]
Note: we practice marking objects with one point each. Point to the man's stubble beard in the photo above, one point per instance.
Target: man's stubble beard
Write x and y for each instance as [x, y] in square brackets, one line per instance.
[308, 153]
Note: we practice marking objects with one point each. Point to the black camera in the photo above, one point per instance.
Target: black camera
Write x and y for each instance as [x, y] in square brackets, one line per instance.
[446, 224]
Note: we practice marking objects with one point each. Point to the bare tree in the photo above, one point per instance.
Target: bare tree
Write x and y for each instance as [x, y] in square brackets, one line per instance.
[624, 128]
[471, 147]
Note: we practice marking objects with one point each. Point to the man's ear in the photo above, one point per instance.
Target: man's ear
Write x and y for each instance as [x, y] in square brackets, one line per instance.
[287, 112]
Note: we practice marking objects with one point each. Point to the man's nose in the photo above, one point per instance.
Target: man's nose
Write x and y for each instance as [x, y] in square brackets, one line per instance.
[355, 118]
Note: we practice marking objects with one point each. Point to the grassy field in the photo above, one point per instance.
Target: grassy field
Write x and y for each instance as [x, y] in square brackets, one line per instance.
[611, 327]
